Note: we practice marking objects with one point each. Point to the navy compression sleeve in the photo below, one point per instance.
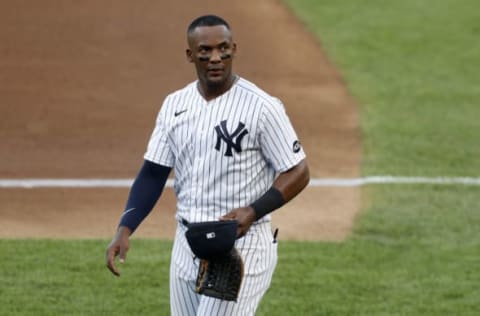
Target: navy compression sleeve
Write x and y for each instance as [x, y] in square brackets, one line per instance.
[145, 192]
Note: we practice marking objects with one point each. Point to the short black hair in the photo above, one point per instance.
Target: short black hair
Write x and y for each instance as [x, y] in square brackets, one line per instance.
[207, 20]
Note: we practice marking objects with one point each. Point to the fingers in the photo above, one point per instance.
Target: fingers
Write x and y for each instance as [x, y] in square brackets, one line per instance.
[114, 250]
[123, 254]
[233, 216]
[228, 216]
[244, 216]
[240, 232]
[118, 247]
[111, 254]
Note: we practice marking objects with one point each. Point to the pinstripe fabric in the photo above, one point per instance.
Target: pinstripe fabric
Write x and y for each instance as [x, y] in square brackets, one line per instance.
[260, 258]
[226, 153]
[208, 183]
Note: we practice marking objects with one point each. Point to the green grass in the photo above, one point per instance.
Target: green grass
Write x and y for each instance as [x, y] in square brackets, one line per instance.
[413, 253]
[45, 277]
[413, 67]
[404, 259]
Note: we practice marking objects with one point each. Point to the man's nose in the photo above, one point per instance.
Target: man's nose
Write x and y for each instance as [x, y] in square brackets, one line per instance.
[216, 56]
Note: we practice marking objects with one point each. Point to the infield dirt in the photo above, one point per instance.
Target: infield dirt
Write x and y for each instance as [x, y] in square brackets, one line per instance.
[81, 83]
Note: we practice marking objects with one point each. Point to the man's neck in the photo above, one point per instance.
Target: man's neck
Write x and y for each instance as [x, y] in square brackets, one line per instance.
[212, 92]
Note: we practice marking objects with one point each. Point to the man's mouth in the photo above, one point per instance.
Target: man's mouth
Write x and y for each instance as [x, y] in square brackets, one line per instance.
[215, 71]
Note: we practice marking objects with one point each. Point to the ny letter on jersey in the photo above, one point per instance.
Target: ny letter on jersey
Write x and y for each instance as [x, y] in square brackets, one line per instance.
[232, 140]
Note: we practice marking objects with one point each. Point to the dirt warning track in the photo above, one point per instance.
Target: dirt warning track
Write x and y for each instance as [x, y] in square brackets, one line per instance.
[81, 84]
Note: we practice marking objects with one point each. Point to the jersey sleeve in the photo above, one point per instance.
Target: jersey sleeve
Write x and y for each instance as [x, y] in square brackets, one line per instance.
[278, 139]
[158, 149]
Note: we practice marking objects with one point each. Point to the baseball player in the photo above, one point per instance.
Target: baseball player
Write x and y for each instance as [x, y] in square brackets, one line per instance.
[235, 156]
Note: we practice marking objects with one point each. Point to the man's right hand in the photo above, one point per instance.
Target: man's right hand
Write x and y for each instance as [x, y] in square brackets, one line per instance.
[118, 247]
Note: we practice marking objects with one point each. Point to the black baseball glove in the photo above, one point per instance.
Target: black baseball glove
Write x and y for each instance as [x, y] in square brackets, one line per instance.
[221, 277]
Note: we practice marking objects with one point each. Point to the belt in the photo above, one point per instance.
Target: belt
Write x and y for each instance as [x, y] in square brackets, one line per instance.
[186, 223]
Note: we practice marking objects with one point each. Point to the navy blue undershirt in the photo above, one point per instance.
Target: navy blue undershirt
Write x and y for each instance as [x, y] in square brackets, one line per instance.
[145, 192]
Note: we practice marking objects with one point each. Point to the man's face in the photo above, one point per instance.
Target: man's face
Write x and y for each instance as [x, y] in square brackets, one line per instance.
[211, 49]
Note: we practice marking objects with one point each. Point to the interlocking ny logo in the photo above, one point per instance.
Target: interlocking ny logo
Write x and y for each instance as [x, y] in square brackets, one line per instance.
[233, 140]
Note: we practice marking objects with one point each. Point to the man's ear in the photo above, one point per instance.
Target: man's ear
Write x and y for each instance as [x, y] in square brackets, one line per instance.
[188, 53]
[234, 49]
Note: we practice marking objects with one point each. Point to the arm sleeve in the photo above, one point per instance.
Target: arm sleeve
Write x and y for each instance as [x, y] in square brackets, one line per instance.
[278, 139]
[145, 192]
[159, 150]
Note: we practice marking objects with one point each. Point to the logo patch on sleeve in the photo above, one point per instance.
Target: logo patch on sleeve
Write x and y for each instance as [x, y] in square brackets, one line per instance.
[296, 146]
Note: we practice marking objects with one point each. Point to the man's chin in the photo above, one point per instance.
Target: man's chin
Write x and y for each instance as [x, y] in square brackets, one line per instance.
[215, 82]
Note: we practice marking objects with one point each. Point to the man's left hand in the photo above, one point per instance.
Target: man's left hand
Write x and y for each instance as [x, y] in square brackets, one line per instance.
[245, 216]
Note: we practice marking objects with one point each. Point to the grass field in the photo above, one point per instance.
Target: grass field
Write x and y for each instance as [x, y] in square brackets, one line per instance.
[413, 67]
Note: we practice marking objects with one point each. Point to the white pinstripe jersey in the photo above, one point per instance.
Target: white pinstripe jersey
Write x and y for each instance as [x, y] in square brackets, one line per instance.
[225, 152]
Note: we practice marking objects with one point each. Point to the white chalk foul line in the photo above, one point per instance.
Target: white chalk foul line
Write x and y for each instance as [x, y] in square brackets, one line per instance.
[317, 182]
[393, 180]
